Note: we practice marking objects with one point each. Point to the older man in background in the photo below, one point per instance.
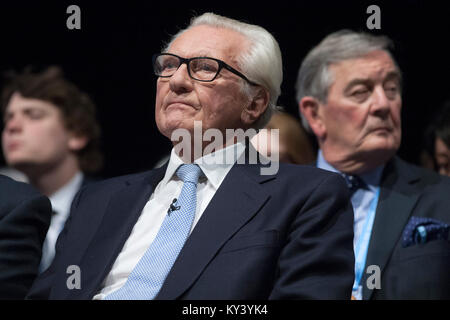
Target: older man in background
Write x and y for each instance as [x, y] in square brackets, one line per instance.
[349, 93]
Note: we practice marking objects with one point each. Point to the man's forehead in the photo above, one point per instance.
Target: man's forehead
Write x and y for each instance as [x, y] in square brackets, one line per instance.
[18, 102]
[207, 41]
[376, 64]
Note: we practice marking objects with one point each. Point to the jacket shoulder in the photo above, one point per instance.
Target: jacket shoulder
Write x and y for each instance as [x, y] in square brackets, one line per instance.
[310, 173]
[116, 182]
[14, 193]
[424, 177]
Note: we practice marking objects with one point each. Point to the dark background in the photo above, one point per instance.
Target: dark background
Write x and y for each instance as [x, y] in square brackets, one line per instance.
[110, 57]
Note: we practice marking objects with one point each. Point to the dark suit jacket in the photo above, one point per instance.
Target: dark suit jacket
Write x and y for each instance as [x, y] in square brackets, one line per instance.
[86, 181]
[283, 236]
[419, 271]
[24, 220]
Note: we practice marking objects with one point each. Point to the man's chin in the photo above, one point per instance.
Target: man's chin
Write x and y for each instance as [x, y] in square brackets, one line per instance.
[380, 154]
[174, 128]
[384, 143]
[24, 165]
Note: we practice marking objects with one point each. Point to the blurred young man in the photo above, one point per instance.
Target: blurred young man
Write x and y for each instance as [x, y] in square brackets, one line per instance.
[51, 135]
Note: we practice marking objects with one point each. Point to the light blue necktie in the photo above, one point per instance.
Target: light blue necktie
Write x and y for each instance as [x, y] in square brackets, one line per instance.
[147, 278]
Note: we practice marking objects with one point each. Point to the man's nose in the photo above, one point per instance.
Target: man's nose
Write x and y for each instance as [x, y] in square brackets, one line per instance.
[381, 104]
[180, 81]
[13, 124]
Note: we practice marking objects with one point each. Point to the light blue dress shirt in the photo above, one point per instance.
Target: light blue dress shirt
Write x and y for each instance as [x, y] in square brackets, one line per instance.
[364, 202]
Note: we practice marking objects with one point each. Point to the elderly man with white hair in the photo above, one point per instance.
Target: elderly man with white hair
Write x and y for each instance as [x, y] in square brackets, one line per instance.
[200, 229]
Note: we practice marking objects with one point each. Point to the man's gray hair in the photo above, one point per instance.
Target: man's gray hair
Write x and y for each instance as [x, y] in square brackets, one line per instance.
[314, 78]
[261, 63]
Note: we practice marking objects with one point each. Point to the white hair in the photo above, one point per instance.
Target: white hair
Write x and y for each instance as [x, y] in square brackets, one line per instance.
[261, 63]
[314, 78]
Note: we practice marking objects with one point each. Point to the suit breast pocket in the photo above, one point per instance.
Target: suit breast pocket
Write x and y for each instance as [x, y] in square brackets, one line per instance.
[267, 238]
[418, 251]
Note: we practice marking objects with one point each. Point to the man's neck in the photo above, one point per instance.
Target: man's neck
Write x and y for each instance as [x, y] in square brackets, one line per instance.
[51, 180]
[354, 163]
[206, 148]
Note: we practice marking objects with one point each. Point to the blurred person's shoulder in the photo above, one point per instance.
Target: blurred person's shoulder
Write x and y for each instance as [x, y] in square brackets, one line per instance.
[11, 189]
[15, 194]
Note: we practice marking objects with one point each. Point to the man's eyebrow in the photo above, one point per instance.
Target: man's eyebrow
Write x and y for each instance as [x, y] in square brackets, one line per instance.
[393, 75]
[201, 53]
[26, 108]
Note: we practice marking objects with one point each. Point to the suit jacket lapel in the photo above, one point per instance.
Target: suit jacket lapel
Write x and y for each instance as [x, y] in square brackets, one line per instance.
[121, 214]
[236, 201]
[397, 199]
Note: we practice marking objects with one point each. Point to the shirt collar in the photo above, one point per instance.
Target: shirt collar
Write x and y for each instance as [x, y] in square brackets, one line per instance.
[215, 165]
[62, 198]
[371, 178]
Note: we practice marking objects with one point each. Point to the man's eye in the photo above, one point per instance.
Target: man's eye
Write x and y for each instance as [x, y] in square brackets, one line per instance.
[360, 94]
[391, 91]
[207, 67]
[35, 114]
[204, 66]
[168, 65]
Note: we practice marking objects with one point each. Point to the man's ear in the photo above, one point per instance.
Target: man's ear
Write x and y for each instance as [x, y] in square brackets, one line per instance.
[256, 107]
[77, 142]
[310, 109]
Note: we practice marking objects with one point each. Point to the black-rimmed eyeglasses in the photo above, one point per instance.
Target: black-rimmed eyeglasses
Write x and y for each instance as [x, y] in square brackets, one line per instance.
[199, 68]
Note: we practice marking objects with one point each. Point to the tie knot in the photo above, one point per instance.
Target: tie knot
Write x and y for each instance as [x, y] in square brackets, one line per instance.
[189, 172]
[354, 182]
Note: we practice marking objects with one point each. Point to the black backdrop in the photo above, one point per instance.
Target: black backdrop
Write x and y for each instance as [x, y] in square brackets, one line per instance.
[110, 57]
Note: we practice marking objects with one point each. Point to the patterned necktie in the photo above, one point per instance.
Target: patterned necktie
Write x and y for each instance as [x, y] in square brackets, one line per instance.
[147, 278]
[354, 183]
